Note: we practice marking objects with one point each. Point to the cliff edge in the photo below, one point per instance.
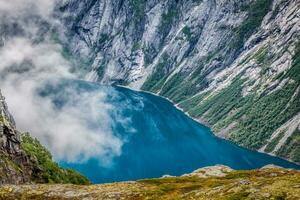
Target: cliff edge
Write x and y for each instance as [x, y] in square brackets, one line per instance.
[24, 160]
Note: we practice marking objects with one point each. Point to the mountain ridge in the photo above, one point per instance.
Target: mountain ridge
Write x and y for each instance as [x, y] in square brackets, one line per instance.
[226, 63]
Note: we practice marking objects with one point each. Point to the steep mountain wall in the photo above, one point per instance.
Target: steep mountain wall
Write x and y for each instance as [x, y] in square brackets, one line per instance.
[231, 64]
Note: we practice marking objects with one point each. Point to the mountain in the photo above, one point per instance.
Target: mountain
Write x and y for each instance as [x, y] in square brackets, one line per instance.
[219, 182]
[233, 65]
[24, 160]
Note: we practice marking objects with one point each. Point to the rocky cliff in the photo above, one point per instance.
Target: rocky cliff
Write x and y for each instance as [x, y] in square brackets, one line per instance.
[231, 64]
[24, 160]
[15, 165]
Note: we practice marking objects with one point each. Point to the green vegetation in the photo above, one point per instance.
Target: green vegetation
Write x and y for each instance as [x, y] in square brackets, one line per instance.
[187, 32]
[217, 107]
[187, 88]
[256, 10]
[138, 7]
[193, 102]
[2, 119]
[271, 183]
[167, 18]
[136, 46]
[7, 162]
[217, 187]
[101, 71]
[294, 71]
[169, 88]
[291, 149]
[149, 53]
[198, 1]
[50, 172]
[266, 115]
[103, 38]
[157, 78]
[256, 116]
[270, 147]
[188, 85]
[261, 55]
[253, 114]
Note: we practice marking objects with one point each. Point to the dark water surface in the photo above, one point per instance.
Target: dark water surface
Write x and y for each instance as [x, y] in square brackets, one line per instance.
[165, 140]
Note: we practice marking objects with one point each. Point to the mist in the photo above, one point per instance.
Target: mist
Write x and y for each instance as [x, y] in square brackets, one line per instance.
[26, 65]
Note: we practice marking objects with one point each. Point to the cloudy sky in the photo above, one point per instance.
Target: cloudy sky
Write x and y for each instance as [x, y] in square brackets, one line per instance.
[26, 65]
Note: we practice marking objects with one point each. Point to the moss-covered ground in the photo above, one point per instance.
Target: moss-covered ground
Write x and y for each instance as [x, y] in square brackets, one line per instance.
[269, 183]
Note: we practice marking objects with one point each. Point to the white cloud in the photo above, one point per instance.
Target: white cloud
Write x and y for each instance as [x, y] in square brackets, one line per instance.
[15, 8]
[25, 66]
[66, 131]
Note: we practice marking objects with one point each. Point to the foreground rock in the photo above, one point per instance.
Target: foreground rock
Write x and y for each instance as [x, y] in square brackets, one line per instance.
[267, 183]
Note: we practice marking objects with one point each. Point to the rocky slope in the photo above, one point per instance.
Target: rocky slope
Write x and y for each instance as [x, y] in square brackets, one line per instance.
[218, 182]
[24, 160]
[15, 165]
[233, 65]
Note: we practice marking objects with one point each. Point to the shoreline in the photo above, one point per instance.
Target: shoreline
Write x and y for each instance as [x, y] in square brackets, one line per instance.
[202, 123]
[169, 100]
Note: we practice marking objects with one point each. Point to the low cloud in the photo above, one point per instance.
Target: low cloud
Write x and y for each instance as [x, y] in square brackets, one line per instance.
[15, 8]
[79, 130]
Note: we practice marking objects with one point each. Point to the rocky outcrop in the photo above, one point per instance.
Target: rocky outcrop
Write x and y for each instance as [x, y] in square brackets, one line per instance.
[232, 64]
[214, 171]
[24, 160]
[15, 166]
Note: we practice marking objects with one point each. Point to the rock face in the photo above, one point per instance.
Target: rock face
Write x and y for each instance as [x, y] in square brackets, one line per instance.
[233, 64]
[15, 166]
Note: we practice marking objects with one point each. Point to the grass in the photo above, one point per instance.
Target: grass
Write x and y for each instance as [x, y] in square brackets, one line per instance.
[50, 171]
[273, 183]
[228, 187]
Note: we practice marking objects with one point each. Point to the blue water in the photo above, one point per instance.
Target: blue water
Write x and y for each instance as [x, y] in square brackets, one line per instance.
[165, 140]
